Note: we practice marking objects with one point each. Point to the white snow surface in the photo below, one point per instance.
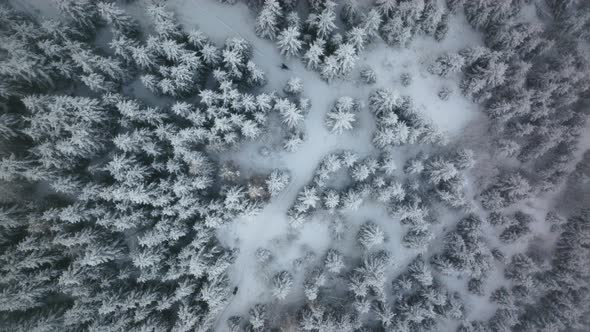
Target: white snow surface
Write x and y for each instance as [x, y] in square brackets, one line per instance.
[270, 228]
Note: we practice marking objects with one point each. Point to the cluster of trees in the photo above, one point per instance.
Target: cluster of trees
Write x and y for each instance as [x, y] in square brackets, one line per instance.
[398, 122]
[512, 227]
[113, 205]
[333, 50]
[109, 207]
[545, 296]
[415, 300]
[532, 80]
[292, 109]
[403, 20]
[465, 250]
[315, 38]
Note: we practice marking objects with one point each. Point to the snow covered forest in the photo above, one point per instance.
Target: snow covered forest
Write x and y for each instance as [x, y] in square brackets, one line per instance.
[285, 165]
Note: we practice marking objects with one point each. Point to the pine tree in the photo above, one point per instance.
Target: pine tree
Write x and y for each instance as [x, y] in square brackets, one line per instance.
[291, 115]
[371, 23]
[357, 37]
[257, 317]
[486, 73]
[439, 170]
[509, 188]
[288, 42]
[331, 200]
[68, 129]
[341, 117]
[384, 101]
[395, 33]
[121, 22]
[267, 22]
[388, 164]
[420, 272]
[346, 57]
[384, 314]
[324, 22]
[313, 56]
[293, 141]
[330, 68]
[350, 13]
[395, 135]
[442, 28]
[431, 16]
[281, 285]
[83, 12]
[386, 7]
[277, 182]
[370, 235]
[455, 5]
[164, 21]
[446, 64]
[308, 198]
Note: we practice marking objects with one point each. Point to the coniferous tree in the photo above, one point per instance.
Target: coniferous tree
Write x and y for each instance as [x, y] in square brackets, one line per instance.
[281, 285]
[268, 21]
[289, 41]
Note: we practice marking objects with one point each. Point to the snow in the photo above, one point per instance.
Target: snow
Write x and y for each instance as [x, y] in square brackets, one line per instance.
[270, 229]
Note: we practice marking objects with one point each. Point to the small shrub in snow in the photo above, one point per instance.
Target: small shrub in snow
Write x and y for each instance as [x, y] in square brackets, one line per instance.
[445, 93]
[264, 151]
[263, 256]
[406, 79]
[293, 141]
[368, 76]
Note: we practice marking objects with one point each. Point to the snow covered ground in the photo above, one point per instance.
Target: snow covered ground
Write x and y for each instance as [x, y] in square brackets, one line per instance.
[296, 250]
[270, 229]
